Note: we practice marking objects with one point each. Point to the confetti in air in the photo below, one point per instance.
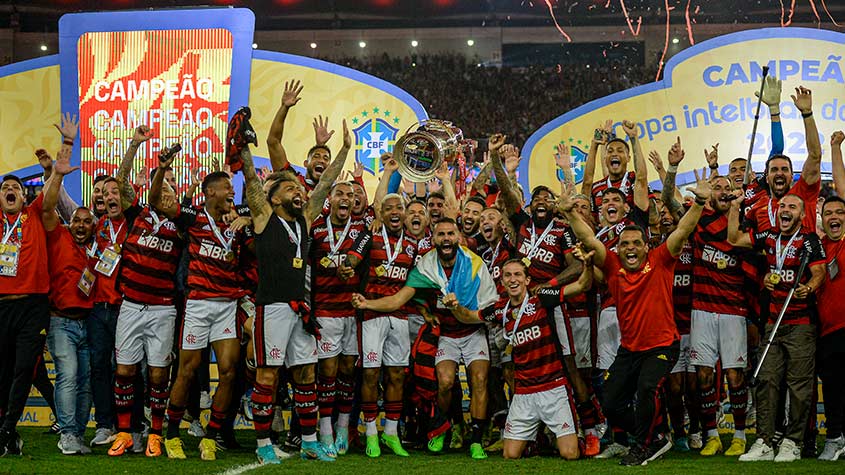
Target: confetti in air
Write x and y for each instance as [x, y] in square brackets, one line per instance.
[552, 13]
[666, 43]
[689, 25]
[791, 12]
[628, 19]
[829, 15]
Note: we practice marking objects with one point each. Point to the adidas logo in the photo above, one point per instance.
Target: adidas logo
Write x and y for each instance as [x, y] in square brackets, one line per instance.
[227, 331]
[206, 228]
[566, 425]
[740, 360]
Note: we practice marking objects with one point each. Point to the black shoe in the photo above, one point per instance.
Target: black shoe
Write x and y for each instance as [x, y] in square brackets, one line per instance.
[226, 441]
[293, 442]
[657, 448]
[635, 457]
[808, 451]
[54, 429]
[6, 438]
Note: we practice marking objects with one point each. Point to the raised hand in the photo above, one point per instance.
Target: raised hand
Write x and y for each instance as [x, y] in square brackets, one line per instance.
[291, 95]
[565, 204]
[142, 134]
[712, 156]
[630, 129]
[196, 180]
[240, 223]
[443, 173]
[771, 91]
[510, 155]
[44, 159]
[321, 130]
[583, 256]
[803, 99]
[215, 165]
[656, 160]
[702, 189]
[358, 170]
[495, 142]
[62, 165]
[676, 153]
[563, 158]
[140, 178]
[835, 139]
[69, 127]
[389, 163]
[347, 137]
[433, 186]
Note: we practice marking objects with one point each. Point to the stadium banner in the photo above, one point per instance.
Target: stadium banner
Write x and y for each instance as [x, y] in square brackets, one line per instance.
[184, 72]
[707, 97]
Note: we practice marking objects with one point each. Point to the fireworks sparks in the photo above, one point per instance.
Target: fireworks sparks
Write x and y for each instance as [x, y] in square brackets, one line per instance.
[791, 12]
[552, 13]
[689, 25]
[829, 15]
[628, 19]
[666, 43]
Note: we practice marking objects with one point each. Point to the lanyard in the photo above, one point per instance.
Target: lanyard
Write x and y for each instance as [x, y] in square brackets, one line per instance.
[112, 233]
[296, 240]
[780, 254]
[334, 246]
[226, 243]
[535, 243]
[7, 230]
[772, 214]
[158, 222]
[603, 231]
[518, 317]
[495, 255]
[91, 250]
[622, 186]
[396, 249]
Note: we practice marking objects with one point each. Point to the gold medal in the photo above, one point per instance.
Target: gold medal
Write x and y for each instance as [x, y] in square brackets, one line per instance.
[526, 261]
[774, 278]
[325, 262]
[230, 256]
[116, 247]
[2, 248]
[722, 264]
[297, 263]
[380, 271]
[508, 350]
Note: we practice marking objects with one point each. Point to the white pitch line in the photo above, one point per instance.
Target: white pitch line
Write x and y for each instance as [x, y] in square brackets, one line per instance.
[239, 469]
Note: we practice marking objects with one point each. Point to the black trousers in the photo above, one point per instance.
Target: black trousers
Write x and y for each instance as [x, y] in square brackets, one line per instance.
[23, 332]
[633, 391]
[832, 372]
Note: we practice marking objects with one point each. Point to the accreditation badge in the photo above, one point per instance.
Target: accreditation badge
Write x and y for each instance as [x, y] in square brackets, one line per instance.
[9, 255]
[108, 262]
[86, 281]
[833, 268]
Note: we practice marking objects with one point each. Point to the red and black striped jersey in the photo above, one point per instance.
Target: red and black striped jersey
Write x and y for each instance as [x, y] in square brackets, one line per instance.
[248, 260]
[331, 296]
[800, 311]
[762, 217]
[682, 289]
[625, 184]
[213, 270]
[495, 257]
[424, 245]
[549, 250]
[533, 339]
[150, 255]
[754, 192]
[718, 274]
[385, 279]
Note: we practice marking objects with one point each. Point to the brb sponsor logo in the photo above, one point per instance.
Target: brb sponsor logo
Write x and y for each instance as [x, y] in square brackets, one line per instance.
[209, 249]
[526, 335]
[154, 242]
[375, 134]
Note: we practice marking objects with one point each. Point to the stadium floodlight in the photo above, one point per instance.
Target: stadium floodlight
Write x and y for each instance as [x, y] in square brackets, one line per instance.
[470, 42]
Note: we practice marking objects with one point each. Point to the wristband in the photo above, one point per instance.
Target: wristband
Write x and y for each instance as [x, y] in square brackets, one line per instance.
[672, 169]
[808, 114]
[776, 114]
[714, 166]
[700, 201]
[67, 141]
[553, 282]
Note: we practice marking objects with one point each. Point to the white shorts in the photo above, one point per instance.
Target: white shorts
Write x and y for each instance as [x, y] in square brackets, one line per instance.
[145, 329]
[684, 363]
[279, 338]
[207, 321]
[384, 341]
[582, 336]
[467, 349]
[415, 322]
[337, 335]
[527, 411]
[608, 338]
[715, 336]
[564, 332]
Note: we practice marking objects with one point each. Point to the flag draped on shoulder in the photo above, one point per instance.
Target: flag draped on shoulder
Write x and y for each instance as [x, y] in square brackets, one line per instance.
[470, 280]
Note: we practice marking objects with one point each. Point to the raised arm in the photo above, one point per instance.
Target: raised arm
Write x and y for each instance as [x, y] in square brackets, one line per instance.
[170, 208]
[127, 192]
[585, 280]
[52, 186]
[582, 230]
[811, 172]
[669, 195]
[506, 187]
[447, 185]
[382, 189]
[600, 137]
[321, 191]
[483, 176]
[256, 199]
[837, 167]
[278, 156]
[735, 236]
[640, 169]
[703, 190]
[563, 160]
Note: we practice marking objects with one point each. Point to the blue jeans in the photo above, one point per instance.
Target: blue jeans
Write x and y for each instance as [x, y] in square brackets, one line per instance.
[102, 325]
[68, 344]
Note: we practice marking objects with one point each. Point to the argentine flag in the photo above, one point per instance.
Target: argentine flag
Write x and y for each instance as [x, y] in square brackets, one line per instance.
[470, 281]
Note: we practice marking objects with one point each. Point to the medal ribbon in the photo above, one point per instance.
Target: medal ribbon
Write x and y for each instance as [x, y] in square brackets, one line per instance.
[396, 249]
[518, 318]
[780, 254]
[112, 233]
[335, 246]
[535, 243]
[226, 243]
[296, 240]
[7, 230]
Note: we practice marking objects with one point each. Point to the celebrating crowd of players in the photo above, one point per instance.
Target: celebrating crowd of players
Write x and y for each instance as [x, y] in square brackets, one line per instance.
[611, 313]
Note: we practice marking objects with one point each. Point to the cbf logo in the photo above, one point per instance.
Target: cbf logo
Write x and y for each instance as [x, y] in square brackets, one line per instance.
[375, 135]
[579, 158]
